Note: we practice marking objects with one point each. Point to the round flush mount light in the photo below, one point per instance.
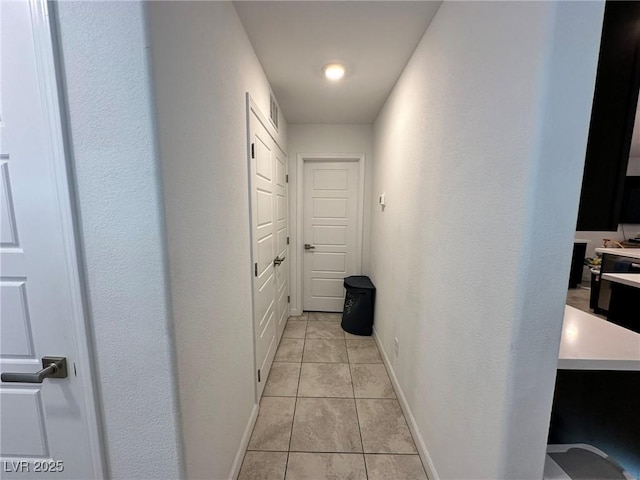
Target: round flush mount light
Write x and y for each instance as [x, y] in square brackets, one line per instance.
[334, 71]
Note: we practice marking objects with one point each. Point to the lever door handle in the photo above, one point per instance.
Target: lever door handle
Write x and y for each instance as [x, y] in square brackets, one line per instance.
[309, 247]
[52, 367]
[278, 261]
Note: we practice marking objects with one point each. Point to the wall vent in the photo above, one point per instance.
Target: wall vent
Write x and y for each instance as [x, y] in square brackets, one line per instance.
[273, 111]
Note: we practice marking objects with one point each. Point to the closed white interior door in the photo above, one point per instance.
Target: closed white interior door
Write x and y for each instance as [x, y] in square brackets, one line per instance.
[330, 232]
[282, 239]
[269, 244]
[48, 429]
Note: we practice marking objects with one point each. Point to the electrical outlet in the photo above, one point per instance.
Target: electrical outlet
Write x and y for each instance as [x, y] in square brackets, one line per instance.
[396, 346]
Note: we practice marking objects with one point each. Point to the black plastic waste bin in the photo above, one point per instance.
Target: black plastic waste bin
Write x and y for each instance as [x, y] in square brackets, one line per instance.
[357, 316]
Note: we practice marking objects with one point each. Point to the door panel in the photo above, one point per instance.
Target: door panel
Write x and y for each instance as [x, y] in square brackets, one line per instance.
[329, 235]
[282, 270]
[326, 287]
[263, 224]
[329, 262]
[330, 220]
[269, 241]
[40, 314]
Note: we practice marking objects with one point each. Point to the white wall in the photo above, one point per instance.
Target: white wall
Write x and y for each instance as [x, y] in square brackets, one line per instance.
[480, 150]
[327, 139]
[112, 146]
[203, 64]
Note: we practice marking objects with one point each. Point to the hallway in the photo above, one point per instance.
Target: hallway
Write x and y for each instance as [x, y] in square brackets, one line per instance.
[329, 410]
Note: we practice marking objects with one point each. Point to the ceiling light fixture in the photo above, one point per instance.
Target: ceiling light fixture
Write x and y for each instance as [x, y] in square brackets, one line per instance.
[334, 71]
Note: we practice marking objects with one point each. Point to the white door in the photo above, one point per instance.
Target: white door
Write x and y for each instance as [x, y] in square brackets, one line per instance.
[282, 240]
[330, 232]
[48, 429]
[269, 243]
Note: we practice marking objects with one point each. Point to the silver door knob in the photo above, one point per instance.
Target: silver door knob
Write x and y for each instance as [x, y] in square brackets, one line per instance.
[52, 367]
[309, 247]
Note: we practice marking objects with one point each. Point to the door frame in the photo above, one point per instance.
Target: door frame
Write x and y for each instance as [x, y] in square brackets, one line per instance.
[361, 159]
[47, 64]
[252, 108]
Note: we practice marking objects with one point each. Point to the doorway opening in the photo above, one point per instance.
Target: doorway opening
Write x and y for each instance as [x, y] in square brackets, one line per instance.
[330, 217]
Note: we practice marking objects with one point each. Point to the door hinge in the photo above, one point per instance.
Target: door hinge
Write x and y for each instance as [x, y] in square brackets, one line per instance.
[253, 150]
[287, 240]
[259, 376]
[288, 298]
[286, 178]
[255, 269]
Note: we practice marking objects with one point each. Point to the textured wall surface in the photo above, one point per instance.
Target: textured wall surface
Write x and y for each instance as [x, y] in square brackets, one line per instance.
[480, 149]
[121, 233]
[203, 64]
[325, 138]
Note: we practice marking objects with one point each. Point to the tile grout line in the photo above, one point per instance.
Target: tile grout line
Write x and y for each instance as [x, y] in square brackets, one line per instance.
[355, 404]
[295, 403]
[340, 453]
[403, 416]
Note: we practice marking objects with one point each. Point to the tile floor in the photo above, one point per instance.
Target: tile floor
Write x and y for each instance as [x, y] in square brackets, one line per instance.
[579, 298]
[329, 411]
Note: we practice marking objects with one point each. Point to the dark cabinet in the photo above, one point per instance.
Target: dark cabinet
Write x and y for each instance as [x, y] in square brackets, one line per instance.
[612, 118]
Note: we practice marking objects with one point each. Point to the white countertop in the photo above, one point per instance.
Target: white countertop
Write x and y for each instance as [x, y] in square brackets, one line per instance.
[623, 252]
[580, 240]
[629, 279]
[591, 343]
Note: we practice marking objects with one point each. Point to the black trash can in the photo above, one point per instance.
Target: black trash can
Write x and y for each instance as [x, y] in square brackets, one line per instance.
[357, 316]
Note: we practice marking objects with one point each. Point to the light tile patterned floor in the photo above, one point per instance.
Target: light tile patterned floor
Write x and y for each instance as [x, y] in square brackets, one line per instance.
[329, 411]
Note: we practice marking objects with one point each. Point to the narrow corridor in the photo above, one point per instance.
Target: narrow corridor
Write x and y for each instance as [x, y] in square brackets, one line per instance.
[329, 411]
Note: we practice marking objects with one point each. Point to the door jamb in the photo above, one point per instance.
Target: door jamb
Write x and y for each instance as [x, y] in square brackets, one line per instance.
[361, 159]
[47, 63]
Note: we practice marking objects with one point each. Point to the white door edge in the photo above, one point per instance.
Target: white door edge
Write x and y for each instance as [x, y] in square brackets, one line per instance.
[46, 58]
[361, 159]
[252, 108]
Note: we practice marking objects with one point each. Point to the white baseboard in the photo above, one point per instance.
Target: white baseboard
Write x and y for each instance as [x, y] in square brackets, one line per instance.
[413, 426]
[294, 312]
[244, 443]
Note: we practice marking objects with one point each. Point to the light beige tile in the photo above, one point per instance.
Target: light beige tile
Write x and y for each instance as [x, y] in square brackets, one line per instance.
[263, 466]
[295, 329]
[383, 427]
[273, 426]
[326, 466]
[325, 380]
[326, 330]
[290, 350]
[363, 351]
[325, 317]
[304, 316]
[396, 467]
[370, 380]
[325, 425]
[283, 380]
[325, 351]
[357, 337]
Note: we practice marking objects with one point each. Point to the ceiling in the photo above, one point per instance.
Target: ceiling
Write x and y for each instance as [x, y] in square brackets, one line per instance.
[295, 39]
